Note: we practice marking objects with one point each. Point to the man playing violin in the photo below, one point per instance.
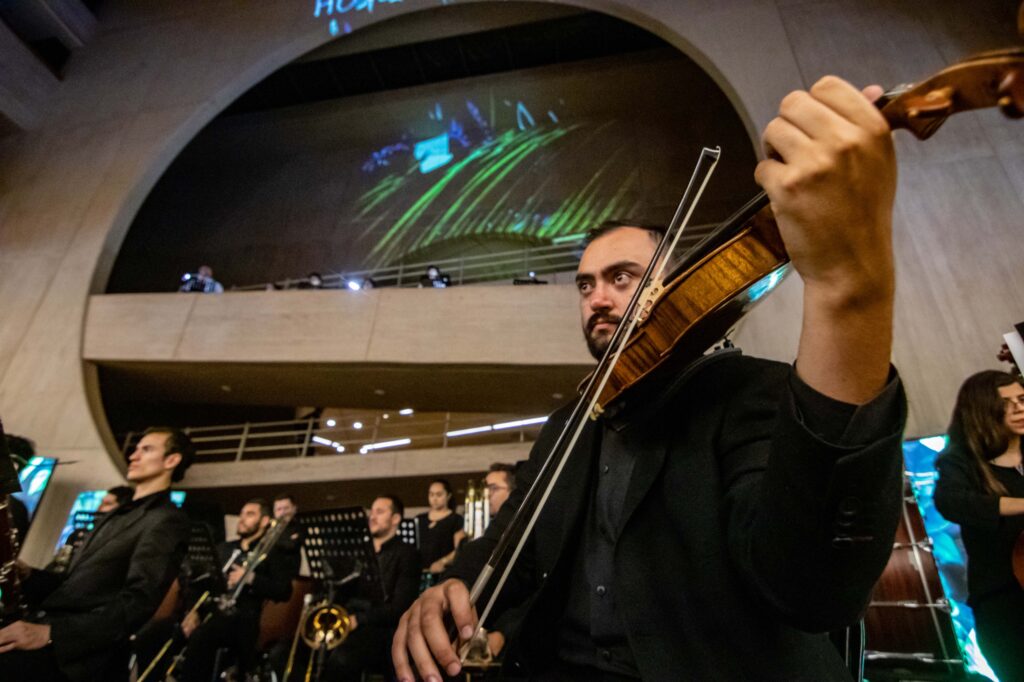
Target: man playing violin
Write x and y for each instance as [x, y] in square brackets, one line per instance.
[718, 524]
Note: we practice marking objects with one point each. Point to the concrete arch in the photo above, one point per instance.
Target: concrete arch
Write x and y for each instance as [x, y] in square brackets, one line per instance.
[157, 71]
[296, 46]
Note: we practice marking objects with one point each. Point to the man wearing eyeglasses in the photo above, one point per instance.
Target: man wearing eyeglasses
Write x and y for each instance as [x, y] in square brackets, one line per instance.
[500, 482]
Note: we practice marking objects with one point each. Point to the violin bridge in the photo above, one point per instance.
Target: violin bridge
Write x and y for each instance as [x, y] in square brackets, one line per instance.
[647, 298]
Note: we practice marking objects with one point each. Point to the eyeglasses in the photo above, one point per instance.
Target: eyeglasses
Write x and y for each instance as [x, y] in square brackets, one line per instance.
[1011, 401]
[494, 487]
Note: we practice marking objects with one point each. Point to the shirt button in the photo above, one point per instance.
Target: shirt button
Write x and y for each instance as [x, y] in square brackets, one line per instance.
[601, 590]
[605, 469]
[606, 655]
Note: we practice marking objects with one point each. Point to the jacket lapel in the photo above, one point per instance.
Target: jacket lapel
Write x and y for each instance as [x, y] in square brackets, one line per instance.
[89, 548]
[645, 472]
[572, 491]
[653, 444]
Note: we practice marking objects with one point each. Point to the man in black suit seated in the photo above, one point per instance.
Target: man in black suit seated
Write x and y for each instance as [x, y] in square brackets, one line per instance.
[373, 617]
[81, 622]
[237, 628]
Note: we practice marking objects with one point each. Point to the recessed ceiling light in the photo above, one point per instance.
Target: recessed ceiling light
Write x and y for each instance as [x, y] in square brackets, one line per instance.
[386, 416]
[331, 422]
[405, 412]
[378, 391]
[225, 388]
[357, 425]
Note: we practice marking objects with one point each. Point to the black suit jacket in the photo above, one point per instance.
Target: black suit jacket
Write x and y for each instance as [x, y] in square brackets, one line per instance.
[115, 584]
[743, 533]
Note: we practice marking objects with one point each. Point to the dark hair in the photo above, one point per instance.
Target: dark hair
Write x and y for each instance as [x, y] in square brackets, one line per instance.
[177, 442]
[978, 424]
[122, 493]
[20, 446]
[656, 230]
[396, 503]
[447, 488]
[265, 509]
[509, 471]
[284, 496]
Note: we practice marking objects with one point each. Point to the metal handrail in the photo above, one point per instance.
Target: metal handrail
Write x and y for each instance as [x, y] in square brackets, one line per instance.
[302, 437]
[490, 267]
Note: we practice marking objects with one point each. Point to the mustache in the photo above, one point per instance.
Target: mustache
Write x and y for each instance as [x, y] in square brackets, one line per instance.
[598, 318]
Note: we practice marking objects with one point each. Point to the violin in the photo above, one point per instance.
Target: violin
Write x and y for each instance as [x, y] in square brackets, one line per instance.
[673, 319]
[744, 258]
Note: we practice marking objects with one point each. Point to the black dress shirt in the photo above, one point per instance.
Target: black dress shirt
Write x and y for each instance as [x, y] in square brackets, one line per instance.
[438, 540]
[399, 566]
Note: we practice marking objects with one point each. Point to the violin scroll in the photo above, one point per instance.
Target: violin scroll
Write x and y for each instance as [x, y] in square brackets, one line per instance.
[989, 79]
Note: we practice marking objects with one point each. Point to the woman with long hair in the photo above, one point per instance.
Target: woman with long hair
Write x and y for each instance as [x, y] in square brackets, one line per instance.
[441, 529]
[981, 487]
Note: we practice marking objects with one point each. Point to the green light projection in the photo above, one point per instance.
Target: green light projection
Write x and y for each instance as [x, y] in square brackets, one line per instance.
[538, 183]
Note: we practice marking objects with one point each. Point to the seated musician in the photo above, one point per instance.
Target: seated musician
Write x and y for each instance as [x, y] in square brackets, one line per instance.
[373, 620]
[716, 524]
[82, 619]
[285, 510]
[236, 629]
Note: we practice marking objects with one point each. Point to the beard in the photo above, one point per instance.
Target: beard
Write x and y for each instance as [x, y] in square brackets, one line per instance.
[598, 344]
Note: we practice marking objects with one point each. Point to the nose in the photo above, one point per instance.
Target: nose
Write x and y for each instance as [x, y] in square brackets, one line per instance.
[599, 299]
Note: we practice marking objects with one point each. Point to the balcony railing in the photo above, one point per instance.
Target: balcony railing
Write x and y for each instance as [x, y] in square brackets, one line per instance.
[375, 432]
[519, 264]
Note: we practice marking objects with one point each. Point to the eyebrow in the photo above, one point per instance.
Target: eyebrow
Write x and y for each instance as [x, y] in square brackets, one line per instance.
[630, 265]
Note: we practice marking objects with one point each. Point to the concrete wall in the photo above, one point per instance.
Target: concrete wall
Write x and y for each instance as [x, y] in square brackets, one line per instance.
[157, 71]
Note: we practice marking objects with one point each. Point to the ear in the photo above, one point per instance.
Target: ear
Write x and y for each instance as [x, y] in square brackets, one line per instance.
[171, 461]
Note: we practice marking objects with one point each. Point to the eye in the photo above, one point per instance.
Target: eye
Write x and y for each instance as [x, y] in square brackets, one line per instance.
[623, 277]
[584, 287]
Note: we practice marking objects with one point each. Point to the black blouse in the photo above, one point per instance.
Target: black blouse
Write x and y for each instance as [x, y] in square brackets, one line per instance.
[438, 541]
[988, 537]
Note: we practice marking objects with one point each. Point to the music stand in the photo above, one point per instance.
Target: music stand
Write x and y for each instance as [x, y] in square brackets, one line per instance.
[201, 558]
[409, 532]
[335, 541]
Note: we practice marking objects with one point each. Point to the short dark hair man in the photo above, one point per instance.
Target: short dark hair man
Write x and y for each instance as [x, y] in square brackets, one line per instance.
[713, 526]
[285, 507]
[500, 481]
[117, 496]
[237, 629]
[373, 620]
[84, 617]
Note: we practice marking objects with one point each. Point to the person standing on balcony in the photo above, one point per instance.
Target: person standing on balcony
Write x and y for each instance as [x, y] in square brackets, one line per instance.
[201, 282]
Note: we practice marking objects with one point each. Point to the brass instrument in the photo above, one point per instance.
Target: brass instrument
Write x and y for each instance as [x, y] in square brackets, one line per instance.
[476, 510]
[323, 627]
[256, 556]
[12, 606]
